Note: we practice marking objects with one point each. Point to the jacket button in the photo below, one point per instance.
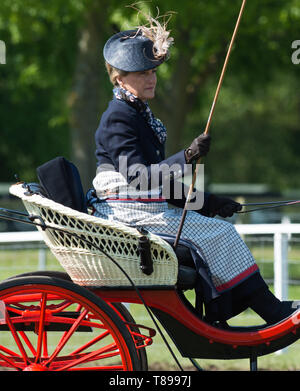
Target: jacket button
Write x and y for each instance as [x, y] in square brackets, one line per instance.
[157, 151]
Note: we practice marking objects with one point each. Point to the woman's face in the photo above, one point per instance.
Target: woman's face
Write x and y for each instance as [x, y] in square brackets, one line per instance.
[141, 84]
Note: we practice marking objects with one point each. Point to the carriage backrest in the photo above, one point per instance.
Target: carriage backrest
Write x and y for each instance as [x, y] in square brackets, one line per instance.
[60, 181]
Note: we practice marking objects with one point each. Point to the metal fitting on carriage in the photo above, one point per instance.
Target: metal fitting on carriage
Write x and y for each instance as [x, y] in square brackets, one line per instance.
[296, 314]
[141, 340]
[146, 263]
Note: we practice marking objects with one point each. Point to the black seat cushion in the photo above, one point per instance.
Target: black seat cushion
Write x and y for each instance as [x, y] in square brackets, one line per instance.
[60, 181]
[187, 273]
[187, 277]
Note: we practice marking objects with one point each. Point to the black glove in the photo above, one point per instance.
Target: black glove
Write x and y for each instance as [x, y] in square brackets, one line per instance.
[198, 148]
[222, 206]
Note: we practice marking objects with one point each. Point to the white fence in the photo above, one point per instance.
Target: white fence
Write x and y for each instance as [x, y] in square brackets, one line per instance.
[20, 239]
[281, 234]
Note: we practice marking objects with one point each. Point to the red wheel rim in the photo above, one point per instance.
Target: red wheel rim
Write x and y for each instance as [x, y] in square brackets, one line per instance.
[53, 328]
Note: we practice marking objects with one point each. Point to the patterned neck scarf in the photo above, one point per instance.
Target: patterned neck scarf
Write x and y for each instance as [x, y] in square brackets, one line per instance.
[143, 108]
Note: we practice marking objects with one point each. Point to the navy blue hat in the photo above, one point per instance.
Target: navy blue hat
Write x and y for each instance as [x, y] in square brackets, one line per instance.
[130, 51]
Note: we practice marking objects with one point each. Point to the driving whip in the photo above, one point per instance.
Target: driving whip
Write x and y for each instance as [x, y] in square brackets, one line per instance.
[188, 198]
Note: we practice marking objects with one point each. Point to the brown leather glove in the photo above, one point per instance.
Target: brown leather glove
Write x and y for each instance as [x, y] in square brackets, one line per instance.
[199, 147]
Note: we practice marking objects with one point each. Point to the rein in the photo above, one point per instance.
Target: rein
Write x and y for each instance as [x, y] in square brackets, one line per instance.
[270, 205]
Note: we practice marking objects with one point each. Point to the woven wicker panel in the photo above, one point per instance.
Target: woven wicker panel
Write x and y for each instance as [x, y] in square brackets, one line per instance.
[91, 266]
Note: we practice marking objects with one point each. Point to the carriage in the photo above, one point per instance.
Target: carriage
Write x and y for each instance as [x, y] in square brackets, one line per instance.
[78, 320]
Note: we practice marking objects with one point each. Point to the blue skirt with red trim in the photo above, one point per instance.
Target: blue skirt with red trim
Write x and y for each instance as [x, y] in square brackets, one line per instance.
[228, 258]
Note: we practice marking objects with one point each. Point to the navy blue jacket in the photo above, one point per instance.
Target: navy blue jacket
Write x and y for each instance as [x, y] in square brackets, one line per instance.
[123, 131]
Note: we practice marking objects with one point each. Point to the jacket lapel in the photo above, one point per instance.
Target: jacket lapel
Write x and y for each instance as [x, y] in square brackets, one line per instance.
[149, 133]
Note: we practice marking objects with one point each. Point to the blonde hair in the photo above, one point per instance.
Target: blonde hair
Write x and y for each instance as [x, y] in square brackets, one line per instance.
[114, 73]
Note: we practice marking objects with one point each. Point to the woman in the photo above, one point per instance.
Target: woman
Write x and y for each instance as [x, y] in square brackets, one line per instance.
[131, 185]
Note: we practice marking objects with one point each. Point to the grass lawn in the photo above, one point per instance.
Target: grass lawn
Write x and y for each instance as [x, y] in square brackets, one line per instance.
[16, 262]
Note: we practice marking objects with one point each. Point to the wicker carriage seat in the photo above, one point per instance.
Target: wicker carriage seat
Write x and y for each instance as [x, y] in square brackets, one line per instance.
[86, 254]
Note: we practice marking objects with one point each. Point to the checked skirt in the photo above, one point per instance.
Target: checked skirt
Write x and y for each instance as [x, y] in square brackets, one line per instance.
[226, 254]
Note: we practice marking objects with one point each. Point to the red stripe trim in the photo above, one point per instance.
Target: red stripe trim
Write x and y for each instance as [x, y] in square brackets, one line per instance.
[237, 279]
[138, 199]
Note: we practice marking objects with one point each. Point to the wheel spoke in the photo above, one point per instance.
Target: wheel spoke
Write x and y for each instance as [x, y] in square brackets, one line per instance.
[17, 339]
[45, 345]
[90, 356]
[8, 351]
[28, 343]
[41, 327]
[92, 342]
[10, 362]
[67, 336]
[14, 309]
[110, 351]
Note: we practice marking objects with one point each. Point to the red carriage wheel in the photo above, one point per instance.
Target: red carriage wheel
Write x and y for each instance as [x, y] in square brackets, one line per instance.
[53, 324]
[125, 314]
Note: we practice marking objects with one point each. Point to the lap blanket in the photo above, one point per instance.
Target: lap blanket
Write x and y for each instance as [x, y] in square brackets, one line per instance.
[228, 258]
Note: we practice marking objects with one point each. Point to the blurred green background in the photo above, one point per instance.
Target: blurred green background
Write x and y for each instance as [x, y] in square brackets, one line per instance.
[54, 87]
